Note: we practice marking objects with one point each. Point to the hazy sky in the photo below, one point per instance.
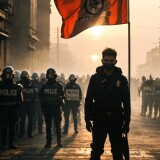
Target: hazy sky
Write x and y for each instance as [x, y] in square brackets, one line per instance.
[145, 34]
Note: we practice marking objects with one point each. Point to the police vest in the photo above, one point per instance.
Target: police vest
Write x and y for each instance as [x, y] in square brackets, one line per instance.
[50, 94]
[73, 93]
[28, 91]
[10, 94]
[158, 89]
[36, 84]
[152, 90]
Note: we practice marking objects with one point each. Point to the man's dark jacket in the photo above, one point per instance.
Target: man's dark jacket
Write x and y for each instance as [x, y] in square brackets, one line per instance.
[107, 94]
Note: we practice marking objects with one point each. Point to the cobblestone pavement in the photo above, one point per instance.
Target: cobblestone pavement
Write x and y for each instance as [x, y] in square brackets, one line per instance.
[144, 141]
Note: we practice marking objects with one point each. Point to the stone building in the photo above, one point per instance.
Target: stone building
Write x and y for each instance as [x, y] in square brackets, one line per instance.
[152, 64]
[6, 25]
[43, 32]
[24, 34]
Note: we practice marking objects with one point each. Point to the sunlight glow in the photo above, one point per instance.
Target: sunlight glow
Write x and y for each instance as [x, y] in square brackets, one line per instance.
[94, 57]
[96, 31]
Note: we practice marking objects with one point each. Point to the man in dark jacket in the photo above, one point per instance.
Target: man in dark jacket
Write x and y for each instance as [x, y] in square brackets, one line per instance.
[107, 106]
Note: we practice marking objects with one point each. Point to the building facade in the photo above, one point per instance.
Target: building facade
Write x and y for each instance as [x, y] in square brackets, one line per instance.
[25, 34]
[6, 25]
[152, 64]
[43, 32]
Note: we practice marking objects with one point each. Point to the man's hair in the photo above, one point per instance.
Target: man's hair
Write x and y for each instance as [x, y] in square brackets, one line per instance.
[109, 52]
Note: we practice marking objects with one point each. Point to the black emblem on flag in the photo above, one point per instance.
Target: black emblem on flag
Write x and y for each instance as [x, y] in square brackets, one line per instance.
[94, 6]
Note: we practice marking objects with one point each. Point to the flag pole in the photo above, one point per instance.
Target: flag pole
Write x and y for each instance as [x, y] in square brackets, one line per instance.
[129, 46]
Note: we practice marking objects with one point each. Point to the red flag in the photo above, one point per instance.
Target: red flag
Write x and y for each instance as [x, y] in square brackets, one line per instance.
[78, 15]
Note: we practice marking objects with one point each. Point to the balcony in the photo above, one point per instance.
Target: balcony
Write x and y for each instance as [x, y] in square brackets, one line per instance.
[2, 15]
[6, 6]
[3, 35]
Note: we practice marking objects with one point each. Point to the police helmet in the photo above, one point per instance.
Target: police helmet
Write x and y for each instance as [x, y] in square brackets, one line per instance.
[150, 77]
[157, 80]
[35, 76]
[51, 74]
[17, 74]
[62, 76]
[25, 74]
[8, 72]
[42, 76]
[143, 78]
[72, 77]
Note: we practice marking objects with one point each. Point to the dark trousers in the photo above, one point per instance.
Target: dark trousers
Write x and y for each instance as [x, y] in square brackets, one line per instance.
[50, 113]
[101, 128]
[28, 109]
[67, 109]
[150, 103]
[156, 106]
[8, 118]
[144, 105]
[38, 116]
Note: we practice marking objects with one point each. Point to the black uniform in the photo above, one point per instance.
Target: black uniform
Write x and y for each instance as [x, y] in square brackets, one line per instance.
[27, 107]
[157, 98]
[51, 95]
[10, 99]
[151, 96]
[38, 117]
[72, 103]
[103, 105]
[144, 88]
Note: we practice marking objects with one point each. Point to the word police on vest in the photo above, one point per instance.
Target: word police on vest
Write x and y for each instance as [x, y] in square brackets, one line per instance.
[6, 92]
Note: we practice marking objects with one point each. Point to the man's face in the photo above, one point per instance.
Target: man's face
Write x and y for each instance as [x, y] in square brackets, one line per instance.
[109, 59]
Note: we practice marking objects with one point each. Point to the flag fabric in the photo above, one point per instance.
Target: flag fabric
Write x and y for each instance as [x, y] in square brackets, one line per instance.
[79, 15]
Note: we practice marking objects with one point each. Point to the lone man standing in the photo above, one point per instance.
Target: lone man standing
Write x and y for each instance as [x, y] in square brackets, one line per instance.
[107, 106]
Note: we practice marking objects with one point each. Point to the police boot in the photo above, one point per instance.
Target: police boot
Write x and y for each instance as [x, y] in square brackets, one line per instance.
[11, 146]
[3, 147]
[47, 145]
[59, 143]
[94, 156]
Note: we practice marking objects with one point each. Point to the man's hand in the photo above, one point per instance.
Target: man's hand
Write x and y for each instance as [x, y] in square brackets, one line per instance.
[89, 126]
[125, 128]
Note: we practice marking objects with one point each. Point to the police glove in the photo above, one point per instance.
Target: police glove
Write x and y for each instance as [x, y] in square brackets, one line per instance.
[89, 126]
[125, 128]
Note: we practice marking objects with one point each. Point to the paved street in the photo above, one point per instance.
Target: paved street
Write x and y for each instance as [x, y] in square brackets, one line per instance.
[144, 140]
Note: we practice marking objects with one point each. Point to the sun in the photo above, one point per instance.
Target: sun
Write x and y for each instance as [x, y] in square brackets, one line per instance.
[94, 57]
[96, 31]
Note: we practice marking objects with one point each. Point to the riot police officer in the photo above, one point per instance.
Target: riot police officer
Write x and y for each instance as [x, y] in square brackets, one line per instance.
[107, 97]
[42, 78]
[72, 103]
[10, 99]
[16, 80]
[157, 98]
[51, 96]
[144, 89]
[38, 117]
[151, 95]
[27, 107]
[17, 75]
[0, 75]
